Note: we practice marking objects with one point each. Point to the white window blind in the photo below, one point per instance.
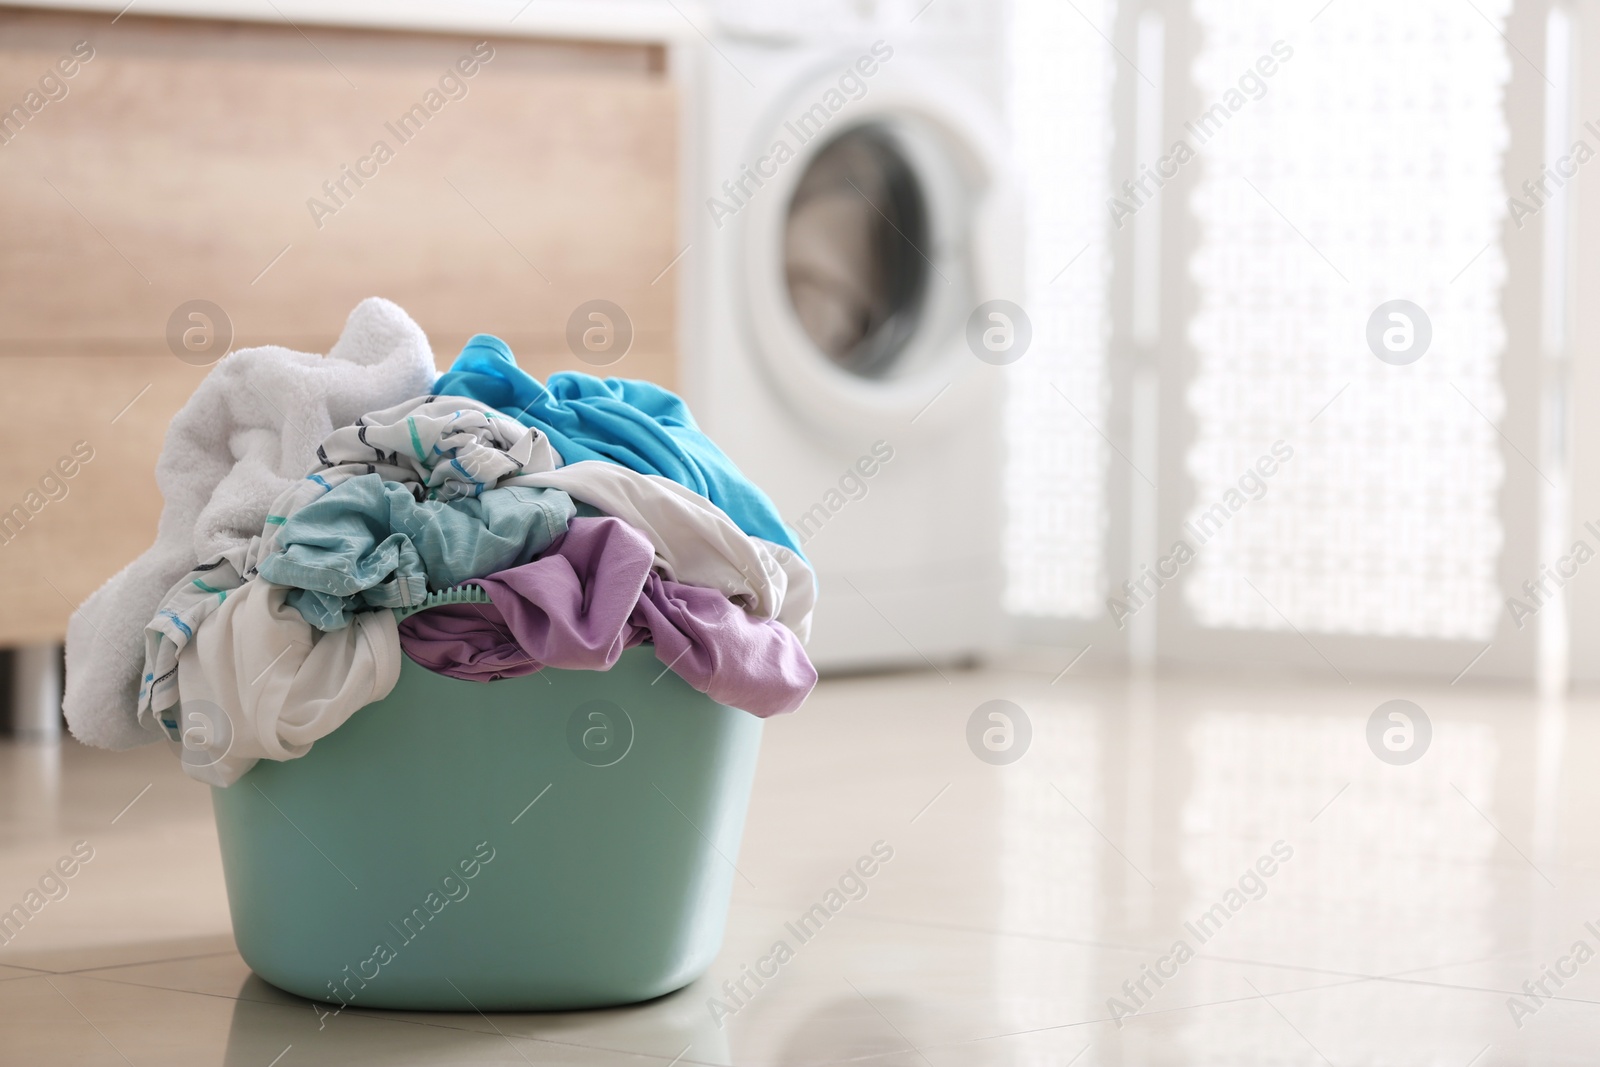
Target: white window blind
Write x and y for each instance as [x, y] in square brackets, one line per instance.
[1060, 107]
[1370, 170]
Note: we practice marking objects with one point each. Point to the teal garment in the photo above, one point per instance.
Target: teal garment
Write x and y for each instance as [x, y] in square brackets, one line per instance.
[370, 544]
[636, 424]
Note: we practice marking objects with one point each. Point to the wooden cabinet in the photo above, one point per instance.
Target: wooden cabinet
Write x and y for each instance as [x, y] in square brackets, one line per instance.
[185, 160]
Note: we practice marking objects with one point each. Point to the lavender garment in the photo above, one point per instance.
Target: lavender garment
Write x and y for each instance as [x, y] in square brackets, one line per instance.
[592, 595]
[569, 608]
[757, 665]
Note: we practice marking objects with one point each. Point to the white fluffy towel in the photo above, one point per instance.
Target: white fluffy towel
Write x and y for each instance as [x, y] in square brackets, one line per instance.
[249, 431]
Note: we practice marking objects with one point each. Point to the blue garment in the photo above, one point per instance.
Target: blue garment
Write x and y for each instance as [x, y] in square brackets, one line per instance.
[369, 543]
[637, 424]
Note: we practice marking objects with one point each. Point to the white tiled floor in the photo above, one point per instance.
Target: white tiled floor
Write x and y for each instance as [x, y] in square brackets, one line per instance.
[1417, 901]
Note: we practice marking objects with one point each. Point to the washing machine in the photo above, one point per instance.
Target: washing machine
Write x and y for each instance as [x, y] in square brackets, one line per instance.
[851, 216]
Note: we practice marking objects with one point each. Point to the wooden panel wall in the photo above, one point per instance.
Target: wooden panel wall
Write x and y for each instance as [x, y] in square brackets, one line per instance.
[178, 166]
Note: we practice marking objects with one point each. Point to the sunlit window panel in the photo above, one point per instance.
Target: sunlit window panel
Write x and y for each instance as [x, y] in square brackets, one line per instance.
[1060, 110]
[1366, 168]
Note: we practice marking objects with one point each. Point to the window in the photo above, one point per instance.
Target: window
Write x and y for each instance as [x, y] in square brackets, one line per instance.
[1330, 169]
[1368, 170]
[1062, 78]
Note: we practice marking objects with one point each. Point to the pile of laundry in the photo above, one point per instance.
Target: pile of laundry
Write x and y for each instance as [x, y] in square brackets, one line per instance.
[326, 515]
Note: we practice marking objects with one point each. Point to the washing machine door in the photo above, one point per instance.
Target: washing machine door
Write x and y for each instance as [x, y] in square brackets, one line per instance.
[851, 261]
[868, 249]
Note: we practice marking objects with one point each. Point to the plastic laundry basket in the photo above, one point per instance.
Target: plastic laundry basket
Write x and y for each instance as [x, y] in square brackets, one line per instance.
[563, 840]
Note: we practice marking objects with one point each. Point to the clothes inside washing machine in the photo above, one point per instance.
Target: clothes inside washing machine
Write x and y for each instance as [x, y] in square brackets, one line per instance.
[852, 257]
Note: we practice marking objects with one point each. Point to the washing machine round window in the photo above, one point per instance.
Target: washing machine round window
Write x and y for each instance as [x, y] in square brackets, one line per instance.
[855, 277]
[866, 246]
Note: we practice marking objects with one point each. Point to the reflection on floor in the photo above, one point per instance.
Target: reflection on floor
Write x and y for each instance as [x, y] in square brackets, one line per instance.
[1176, 872]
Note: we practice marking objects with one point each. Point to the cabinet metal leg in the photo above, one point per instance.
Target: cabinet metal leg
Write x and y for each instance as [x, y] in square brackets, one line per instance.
[35, 696]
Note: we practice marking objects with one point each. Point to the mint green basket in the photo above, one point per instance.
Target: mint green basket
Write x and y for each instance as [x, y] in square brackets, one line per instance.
[563, 840]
